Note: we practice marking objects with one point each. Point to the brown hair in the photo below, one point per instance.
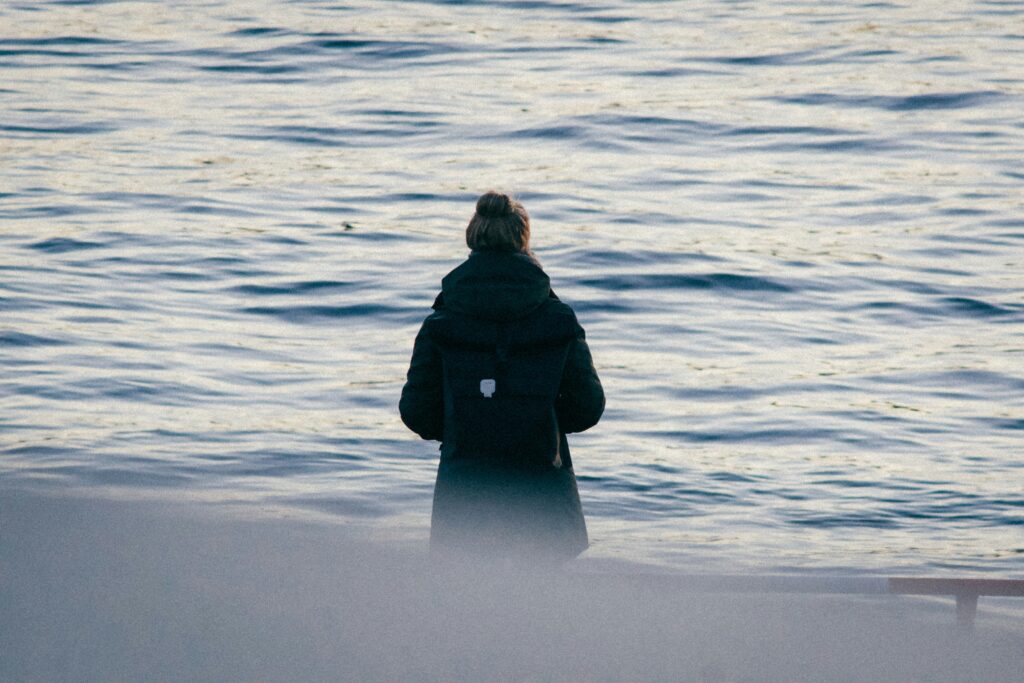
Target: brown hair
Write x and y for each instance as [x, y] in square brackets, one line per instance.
[499, 224]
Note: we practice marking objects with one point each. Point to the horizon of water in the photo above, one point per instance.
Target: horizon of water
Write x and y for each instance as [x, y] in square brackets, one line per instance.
[793, 234]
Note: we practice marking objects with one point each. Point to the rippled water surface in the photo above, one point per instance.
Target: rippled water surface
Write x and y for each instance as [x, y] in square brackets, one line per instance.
[794, 233]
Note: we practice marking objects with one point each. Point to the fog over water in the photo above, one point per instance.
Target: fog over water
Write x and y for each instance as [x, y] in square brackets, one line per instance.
[793, 232]
[101, 591]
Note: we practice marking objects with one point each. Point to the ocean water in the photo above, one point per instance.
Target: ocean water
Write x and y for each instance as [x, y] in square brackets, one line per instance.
[794, 232]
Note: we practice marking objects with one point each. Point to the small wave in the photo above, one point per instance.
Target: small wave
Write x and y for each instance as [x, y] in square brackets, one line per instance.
[722, 281]
[9, 54]
[94, 319]
[945, 307]
[738, 197]
[788, 130]
[183, 276]
[264, 69]
[398, 113]
[300, 314]
[189, 204]
[735, 477]
[68, 129]
[775, 436]
[1007, 222]
[380, 50]
[49, 211]
[976, 307]
[365, 236]
[862, 55]
[858, 519]
[776, 59]
[334, 136]
[61, 245]
[41, 453]
[963, 211]
[662, 123]
[12, 338]
[723, 394]
[224, 261]
[291, 288]
[637, 257]
[994, 383]
[119, 65]
[258, 31]
[584, 306]
[838, 146]
[644, 495]
[214, 209]
[609, 19]
[62, 40]
[847, 483]
[145, 390]
[565, 132]
[420, 197]
[958, 100]
[1013, 424]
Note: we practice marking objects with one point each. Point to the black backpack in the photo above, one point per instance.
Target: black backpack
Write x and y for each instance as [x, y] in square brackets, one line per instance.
[501, 380]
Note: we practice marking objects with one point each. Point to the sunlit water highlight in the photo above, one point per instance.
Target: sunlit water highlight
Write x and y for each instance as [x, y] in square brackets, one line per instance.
[793, 232]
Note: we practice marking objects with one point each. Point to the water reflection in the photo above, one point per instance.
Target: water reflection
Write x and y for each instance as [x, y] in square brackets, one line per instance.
[790, 231]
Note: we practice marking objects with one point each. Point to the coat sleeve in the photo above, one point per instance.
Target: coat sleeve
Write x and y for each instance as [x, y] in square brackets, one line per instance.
[580, 401]
[422, 402]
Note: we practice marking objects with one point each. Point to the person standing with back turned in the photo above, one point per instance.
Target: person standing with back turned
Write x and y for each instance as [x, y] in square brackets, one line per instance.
[500, 372]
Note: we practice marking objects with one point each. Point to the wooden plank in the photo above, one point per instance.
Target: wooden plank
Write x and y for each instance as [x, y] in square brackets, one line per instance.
[965, 590]
[907, 585]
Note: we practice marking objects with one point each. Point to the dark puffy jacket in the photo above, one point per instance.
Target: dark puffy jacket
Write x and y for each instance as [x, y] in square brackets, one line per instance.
[500, 372]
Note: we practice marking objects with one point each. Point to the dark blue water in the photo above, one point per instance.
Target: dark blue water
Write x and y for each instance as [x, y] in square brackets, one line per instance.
[794, 234]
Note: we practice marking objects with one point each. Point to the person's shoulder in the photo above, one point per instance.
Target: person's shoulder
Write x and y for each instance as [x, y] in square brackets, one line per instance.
[446, 327]
[557, 309]
[552, 320]
[437, 317]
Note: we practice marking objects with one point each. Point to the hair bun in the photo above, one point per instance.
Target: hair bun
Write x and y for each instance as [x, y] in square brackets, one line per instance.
[494, 205]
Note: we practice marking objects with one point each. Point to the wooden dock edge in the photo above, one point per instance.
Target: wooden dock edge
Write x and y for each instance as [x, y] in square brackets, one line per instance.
[966, 591]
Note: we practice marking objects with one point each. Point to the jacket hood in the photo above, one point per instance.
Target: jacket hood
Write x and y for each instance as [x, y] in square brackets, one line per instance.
[495, 286]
